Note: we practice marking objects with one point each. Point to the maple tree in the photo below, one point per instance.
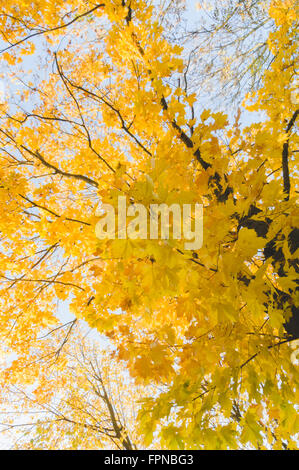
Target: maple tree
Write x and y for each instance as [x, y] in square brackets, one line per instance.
[106, 113]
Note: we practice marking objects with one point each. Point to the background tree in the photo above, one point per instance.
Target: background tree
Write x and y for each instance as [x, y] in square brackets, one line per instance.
[225, 48]
[79, 399]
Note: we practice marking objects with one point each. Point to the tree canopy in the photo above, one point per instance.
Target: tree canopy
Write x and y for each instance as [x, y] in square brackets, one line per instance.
[97, 105]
